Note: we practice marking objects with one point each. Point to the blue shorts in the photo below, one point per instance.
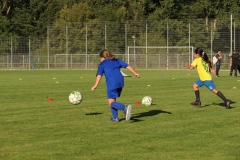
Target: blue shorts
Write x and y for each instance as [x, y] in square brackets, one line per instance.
[114, 93]
[209, 84]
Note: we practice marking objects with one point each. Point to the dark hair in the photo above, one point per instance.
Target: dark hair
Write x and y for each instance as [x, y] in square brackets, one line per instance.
[107, 54]
[204, 56]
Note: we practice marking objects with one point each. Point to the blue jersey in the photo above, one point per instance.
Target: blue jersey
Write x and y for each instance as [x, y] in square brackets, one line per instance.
[112, 72]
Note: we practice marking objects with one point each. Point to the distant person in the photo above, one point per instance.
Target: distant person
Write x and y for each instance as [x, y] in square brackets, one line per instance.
[234, 63]
[110, 67]
[218, 63]
[204, 66]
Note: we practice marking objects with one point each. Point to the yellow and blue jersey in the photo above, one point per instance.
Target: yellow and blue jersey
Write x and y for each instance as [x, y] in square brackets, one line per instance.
[202, 69]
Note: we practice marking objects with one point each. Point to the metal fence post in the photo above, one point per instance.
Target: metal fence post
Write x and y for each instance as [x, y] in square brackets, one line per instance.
[146, 46]
[167, 45]
[48, 46]
[11, 53]
[66, 47]
[231, 18]
[29, 51]
[86, 65]
[211, 40]
[126, 39]
[105, 30]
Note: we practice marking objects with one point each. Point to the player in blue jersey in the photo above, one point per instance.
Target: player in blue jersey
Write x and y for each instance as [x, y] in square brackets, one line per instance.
[110, 67]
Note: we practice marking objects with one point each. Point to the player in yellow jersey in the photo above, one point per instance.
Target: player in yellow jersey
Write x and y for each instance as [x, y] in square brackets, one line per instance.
[204, 66]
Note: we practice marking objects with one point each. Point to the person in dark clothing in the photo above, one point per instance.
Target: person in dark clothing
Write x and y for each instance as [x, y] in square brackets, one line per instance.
[234, 63]
[218, 63]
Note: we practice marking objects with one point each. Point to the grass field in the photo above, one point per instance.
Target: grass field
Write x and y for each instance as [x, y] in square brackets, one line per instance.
[170, 129]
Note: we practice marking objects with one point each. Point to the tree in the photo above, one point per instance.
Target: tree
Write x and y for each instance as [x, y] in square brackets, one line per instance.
[167, 9]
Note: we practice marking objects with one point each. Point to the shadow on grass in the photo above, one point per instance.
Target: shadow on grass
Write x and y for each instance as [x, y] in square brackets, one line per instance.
[135, 117]
[93, 113]
[223, 104]
[219, 104]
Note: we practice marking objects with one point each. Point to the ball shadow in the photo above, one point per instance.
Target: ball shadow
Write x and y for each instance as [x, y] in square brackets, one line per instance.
[93, 113]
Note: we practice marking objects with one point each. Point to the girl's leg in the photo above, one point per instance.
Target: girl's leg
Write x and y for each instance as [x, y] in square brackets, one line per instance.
[115, 106]
[219, 94]
[113, 110]
[118, 105]
[110, 100]
[197, 94]
[196, 90]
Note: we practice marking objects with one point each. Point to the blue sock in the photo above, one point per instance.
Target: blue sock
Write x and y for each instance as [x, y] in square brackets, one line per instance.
[115, 106]
[114, 113]
[118, 105]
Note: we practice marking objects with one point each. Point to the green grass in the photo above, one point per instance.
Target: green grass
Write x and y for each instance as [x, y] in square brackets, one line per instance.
[31, 127]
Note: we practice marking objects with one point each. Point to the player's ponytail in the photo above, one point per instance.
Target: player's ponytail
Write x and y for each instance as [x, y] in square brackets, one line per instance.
[107, 54]
[206, 59]
[204, 56]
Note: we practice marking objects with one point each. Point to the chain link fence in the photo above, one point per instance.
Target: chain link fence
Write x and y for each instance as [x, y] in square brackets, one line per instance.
[168, 44]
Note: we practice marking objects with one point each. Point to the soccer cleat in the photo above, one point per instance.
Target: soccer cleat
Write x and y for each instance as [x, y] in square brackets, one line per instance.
[113, 120]
[228, 104]
[196, 103]
[127, 112]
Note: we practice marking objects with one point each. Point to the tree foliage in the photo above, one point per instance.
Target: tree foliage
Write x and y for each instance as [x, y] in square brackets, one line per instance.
[31, 17]
[83, 23]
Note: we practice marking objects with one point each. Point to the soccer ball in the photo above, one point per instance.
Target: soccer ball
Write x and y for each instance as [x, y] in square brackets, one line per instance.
[147, 101]
[75, 97]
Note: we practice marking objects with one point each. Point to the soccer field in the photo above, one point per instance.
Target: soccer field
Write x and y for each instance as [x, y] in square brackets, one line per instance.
[171, 129]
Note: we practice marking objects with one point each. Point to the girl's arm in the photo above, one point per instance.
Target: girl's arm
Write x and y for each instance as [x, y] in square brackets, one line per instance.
[98, 78]
[190, 66]
[212, 71]
[133, 71]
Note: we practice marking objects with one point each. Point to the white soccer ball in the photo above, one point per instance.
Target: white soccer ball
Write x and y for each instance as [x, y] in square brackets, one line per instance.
[147, 101]
[75, 97]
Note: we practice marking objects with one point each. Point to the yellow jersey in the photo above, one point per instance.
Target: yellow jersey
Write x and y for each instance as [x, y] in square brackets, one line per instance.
[202, 69]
